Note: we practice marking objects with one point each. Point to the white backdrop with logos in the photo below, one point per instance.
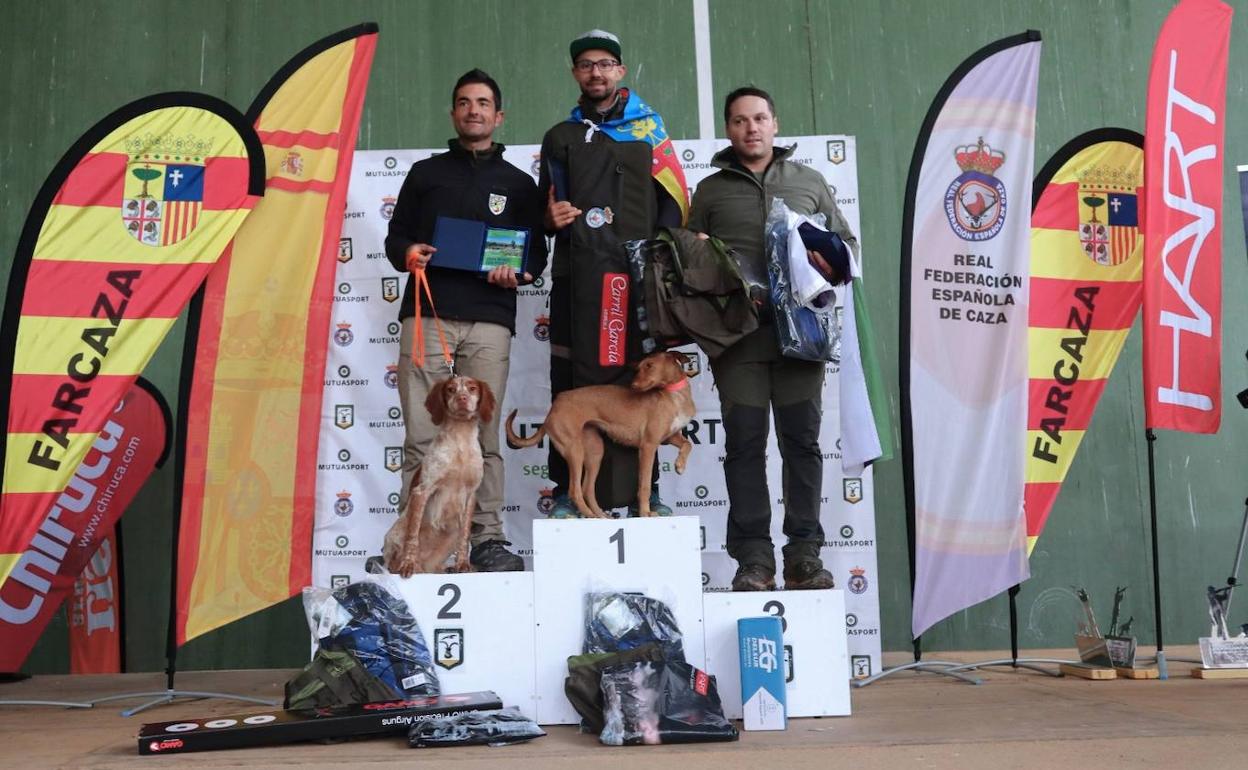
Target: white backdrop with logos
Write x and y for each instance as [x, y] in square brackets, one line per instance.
[360, 451]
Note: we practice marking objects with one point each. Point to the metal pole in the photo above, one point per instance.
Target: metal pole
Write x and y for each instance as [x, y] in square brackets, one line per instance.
[1152, 510]
[1014, 624]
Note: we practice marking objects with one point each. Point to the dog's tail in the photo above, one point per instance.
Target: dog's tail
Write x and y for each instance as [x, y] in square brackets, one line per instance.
[515, 441]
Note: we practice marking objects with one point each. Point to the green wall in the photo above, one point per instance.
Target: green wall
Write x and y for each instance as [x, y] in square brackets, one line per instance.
[868, 68]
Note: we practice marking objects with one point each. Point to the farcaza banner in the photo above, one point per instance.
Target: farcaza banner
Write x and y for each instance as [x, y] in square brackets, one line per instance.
[361, 449]
[1086, 263]
[965, 252]
[121, 234]
[253, 418]
[1184, 130]
[132, 442]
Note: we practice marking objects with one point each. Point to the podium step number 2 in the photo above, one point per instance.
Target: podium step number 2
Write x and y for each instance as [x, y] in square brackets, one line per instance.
[658, 557]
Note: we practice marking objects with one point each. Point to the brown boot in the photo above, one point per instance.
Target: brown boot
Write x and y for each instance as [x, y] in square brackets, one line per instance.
[754, 577]
[807, 574]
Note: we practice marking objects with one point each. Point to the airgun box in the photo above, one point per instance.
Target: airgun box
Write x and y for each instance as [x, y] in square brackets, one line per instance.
[762, 673]
[264, 728]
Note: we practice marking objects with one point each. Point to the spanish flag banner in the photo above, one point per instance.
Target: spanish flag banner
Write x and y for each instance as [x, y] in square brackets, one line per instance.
[1087, 256]
[121, 234]
[252, 417]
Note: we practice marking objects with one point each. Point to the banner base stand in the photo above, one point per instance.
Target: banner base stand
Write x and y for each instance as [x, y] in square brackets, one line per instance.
[58, 703]
[1031, 664]
[942, 667]
[163, 697]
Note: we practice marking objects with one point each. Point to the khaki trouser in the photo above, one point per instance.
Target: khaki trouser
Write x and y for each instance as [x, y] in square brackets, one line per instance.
[481, 351]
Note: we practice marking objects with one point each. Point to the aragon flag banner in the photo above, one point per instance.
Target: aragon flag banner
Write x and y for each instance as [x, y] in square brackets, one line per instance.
[122, 232]
[1087, 256]
[1184, 131]
[74, 535]
[254, 410]
[965, 249]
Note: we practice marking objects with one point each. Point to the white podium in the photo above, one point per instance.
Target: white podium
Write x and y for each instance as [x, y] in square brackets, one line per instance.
[816, 653]
[479, 627]
[659, 557]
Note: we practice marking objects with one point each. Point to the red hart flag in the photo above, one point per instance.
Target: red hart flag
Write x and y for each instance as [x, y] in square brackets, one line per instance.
[1183, 160]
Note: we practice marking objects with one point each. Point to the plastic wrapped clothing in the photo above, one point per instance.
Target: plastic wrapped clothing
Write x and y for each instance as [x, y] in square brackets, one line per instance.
[495, 727]
[615, 622]
[333, 678]
[378, 630]
[670, 702]
[800, 332]
[583, 685]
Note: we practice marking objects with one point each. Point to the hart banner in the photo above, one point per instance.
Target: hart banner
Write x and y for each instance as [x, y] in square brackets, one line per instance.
[132, 442]
[253, 412]
[1183, 159]
[362, 433]
[1086, 263]
[965, 250]
[122, 232]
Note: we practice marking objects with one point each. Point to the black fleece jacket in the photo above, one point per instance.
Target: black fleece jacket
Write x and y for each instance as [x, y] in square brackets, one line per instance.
[458, 183]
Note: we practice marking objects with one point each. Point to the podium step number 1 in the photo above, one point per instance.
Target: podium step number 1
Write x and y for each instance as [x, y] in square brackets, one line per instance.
[658, 557]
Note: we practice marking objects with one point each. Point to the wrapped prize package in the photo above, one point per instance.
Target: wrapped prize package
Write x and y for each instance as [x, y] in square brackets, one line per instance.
[615, 622]
[583, 685]
[496, 727]
[375, 628]
[668, 702]
[801, 332]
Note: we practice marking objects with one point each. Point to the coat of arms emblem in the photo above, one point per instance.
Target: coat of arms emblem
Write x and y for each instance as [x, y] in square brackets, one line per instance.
[163, 193]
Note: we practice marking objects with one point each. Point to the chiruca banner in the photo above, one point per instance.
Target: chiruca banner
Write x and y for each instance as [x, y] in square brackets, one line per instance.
[72, 552]
[964, 280]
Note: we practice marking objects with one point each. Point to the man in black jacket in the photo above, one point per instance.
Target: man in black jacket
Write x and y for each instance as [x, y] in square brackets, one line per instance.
[609, 174]
[478, 311]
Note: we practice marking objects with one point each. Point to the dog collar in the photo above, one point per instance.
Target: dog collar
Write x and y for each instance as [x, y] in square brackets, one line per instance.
[676, 387]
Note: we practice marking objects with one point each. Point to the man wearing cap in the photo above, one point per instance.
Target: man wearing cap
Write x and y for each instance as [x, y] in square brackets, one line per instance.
[610, 175]
[478, 310]
[752, 376]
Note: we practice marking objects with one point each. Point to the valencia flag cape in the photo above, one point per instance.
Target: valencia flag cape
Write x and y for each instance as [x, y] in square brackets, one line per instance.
[640, 123]
[252, 416]
[1087, 257]
[121, 234]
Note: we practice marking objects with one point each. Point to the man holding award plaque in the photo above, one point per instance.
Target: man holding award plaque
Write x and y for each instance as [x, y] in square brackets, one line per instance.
[609, 174]
[473, 222]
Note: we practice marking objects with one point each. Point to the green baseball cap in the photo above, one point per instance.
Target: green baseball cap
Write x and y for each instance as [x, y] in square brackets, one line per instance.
[596, 39]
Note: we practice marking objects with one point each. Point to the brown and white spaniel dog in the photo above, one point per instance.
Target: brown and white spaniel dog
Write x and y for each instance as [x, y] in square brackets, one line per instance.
[438, 518]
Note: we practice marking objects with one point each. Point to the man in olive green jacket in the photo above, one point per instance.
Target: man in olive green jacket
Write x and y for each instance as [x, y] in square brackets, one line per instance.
[751, 376]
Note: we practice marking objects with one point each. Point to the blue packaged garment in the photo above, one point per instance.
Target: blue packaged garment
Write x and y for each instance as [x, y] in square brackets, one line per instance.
[384, 637]
[800, 332]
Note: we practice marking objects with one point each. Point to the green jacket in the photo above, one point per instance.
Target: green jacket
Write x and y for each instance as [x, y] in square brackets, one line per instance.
[732, 205]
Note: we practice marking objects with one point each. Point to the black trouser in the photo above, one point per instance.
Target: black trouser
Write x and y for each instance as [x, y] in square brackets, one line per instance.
[753, 379]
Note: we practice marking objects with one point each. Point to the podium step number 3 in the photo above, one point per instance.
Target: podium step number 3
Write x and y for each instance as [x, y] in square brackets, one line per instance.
[816, 655]
[658, 557]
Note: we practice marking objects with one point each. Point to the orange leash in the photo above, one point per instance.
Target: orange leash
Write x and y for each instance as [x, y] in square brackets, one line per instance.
[418, 333]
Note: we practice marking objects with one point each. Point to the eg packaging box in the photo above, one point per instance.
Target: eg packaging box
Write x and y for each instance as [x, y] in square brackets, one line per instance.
[762, 673]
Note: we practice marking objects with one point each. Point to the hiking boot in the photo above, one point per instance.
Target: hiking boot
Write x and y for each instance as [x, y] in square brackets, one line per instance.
[657, 507]
[754, 577]
[807, 574]
[563, 508]
[492, 556]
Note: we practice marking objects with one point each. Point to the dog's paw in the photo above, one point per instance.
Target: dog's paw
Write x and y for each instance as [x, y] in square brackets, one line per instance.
[406, 567]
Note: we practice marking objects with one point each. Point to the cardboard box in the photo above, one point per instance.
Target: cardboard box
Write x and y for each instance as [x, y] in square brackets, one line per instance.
[263, 728]
[762, 673]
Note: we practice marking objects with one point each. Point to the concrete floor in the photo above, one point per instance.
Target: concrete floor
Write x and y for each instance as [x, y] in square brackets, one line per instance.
[1013, 720]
